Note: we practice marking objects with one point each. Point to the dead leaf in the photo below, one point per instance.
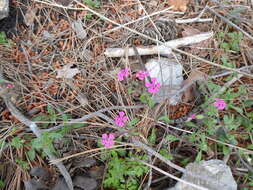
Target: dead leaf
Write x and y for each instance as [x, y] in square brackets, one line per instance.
[68, 71]
[197, 48]
[30, 16]
[77, 26]
[179, 5]
[190, 85]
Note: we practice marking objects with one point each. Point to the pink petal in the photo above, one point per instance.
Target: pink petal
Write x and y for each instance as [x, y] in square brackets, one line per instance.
[153, 80]
[125, 119]
[104, 136]
[153, 90]
[193, 116]
[10, 86]
[121, 114]
[158, 85]
[120, 77]
[111, 136]
[148, 84]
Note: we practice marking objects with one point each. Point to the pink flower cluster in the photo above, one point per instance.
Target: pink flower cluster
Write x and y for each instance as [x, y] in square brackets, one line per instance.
[220, 104]
[108, 140]
[141, 75]
[10, 86]
[121, 119]
[123, 73]
[153, 86]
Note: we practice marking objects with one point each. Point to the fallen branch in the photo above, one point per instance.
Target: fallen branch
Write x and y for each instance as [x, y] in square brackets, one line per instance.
[165, 49]
[5, 94]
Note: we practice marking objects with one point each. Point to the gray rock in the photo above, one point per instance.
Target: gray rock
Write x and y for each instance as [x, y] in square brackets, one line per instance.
[33, 184]
[4, 8]
[61, 185]
[218, 173]
[40, 172]
[84, 162]
[85, 183]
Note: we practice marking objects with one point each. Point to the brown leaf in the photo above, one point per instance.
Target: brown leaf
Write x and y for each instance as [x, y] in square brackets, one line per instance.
[68, 71]
[30, 16]
[179, 5]
[196, 48]
[190, 85]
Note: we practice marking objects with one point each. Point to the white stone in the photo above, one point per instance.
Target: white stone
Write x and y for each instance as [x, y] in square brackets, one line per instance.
[4, 8]
[170, 75]
[216, 171]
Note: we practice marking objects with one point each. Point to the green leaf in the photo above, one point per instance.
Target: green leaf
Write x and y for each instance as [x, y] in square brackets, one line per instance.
[200, 116]
[3, 38]
[224, 60]
[248, 103]
[171, 138]
[203, 145]
[52, 114]
[225, 150]
[23, 164]
[190, 124]
[152, 137]
[237, 11]
[250, 147]
[147, 99]
[164, 152]
[2, 184]
[17, 142]
[31, 154]
[133, 122]
[225, 46]
[165, 118]
[88, 16]
[55, 135]
[239, 110]
[93, 3]
[199, 156]
[42, 118]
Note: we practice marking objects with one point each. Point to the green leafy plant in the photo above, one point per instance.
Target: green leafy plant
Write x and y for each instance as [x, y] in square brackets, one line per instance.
[231, 40]
[23, 164]
[123, 172]
[2, 184]
[147, 99]
[3, 39]
[93, 3]
[45, 142]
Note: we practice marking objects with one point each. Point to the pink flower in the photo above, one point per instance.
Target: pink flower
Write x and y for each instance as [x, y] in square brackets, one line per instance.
[108, 140]
[141, 75]
[192, 116]
[153, 86]
[121, 119]
[219, 104]
[123, 73]
[10, 86]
